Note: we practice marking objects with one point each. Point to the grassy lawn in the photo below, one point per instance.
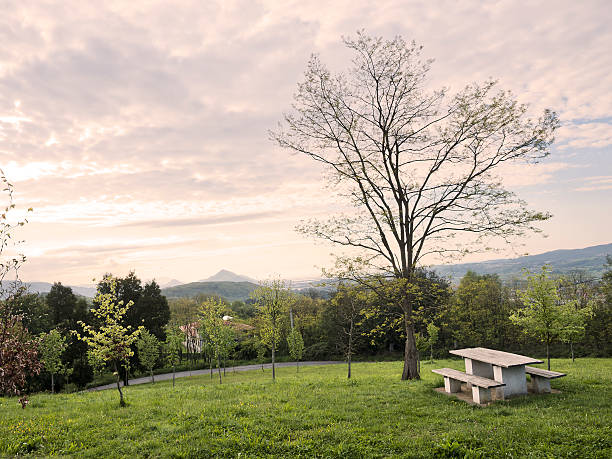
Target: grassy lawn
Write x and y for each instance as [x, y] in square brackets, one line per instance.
[317, 413]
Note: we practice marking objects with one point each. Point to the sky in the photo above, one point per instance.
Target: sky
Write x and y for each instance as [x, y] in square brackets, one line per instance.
[138, 131]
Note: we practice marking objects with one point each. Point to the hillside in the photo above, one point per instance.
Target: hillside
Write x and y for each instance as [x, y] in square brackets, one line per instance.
[316, 413]
[590, 259]
[231, 291]
[227, 276]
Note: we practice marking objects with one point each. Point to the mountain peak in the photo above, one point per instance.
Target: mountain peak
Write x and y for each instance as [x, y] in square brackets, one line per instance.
[227, 276]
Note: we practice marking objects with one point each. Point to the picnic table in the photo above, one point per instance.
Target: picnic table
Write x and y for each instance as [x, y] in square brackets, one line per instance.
[499, 366]
[489, 369]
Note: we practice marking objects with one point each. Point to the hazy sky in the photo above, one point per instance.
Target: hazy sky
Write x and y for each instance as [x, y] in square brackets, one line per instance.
[139, 132]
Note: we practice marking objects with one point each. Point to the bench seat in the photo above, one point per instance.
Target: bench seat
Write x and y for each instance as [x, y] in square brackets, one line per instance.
[481, 387]
[540, 379]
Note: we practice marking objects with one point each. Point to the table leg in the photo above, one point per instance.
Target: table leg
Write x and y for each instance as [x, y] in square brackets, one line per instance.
[514, 378]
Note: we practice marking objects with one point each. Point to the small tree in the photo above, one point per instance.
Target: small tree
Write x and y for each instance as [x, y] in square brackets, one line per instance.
[173, 345]
[272, 299]
[211, 313]
[18, 351]
[574, 320]
[296, 346]
[227, 343]
[261, 352]
[543, 315]
[432, 332]
[111, 342]
[148, 351]
[422, 344]
[578, 291]
[51, 346]
[348, 303]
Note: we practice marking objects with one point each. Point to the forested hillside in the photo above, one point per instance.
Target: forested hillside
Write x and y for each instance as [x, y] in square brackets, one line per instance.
[231, 291]
[590, 259]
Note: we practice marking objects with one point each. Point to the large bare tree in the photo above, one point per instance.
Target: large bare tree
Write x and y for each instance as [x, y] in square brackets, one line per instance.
[418, 165]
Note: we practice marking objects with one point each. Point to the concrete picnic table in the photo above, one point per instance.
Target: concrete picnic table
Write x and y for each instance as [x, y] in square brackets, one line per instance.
[503, 367]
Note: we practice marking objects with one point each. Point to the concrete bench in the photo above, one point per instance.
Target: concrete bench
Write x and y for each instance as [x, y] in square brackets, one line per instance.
[481, 387]
[540, 379]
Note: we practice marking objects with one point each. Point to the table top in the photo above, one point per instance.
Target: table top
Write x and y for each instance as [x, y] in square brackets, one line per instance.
[498, 358]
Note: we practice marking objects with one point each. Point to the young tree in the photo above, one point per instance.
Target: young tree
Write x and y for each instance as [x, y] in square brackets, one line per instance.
[421, 168]
[18, 351]
[173, 346]
[543, 314]
[111, 342]
[296, 346]
[422, 344]
[51, 346]
[272, 299]
[227, 343]
[261, 353]
[211, 314]
[349, 302]
[577, 289]
[148, 351]
[432, 333]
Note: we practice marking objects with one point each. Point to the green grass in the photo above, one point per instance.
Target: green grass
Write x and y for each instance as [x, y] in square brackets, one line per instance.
[317, 414]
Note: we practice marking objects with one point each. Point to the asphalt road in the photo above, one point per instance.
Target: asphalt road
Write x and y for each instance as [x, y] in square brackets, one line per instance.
[186, 374]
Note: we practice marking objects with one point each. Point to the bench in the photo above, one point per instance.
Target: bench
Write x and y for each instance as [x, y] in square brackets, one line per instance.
[481, 387]
[540, 379]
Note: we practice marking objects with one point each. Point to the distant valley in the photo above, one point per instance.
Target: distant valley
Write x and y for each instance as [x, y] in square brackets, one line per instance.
[234, 286]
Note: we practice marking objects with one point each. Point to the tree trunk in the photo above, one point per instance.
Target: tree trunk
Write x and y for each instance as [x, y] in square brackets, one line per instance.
[121, 401]
[273, 368]
[152, 377]
[349, 366]
[297, 366]
[52, 384]
[410, 352]
[349, 350]
[173, 372]
[210, 361]
[572, 350]
[430, 354]
[219, 365]
[548, 352]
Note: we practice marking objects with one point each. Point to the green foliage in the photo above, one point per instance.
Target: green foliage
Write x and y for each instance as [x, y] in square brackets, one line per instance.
[432, 333]
[545, 315]
[231, 291]
[173, 345]
[272, 299]
[478, 314]
[111, 342]
[148, 350]
[212, 328]
[51, 346]
[296, 344]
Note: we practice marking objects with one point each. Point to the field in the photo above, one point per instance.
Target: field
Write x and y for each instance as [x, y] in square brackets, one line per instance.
[318, 413]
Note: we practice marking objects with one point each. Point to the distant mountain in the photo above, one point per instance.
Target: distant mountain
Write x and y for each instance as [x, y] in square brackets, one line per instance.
[170, 283]
[229, 290]
[227, 276]
[590, 259]
[45, 287]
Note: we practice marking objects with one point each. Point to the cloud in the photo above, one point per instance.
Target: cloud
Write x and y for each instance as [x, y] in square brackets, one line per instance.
[596, 183]
[153, 116]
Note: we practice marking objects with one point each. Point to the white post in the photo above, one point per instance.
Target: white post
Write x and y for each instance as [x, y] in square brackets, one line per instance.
[481, 395]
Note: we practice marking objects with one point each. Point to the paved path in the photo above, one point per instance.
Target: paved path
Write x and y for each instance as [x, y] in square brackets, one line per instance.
[185, 374]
